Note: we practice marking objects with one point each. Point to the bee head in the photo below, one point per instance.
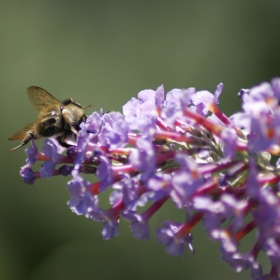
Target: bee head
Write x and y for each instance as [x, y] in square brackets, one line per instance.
[49, 127]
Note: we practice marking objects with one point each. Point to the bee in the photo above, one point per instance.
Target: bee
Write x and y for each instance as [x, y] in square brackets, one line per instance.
[58, 118]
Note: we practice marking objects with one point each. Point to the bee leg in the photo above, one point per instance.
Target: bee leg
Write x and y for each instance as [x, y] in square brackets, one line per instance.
[74, 130]
[84, 118]
[62, 143]
[67, 117]
[71, 101]
[29, 135]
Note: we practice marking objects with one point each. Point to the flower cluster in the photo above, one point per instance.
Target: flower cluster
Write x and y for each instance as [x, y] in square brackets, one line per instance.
[221, 170]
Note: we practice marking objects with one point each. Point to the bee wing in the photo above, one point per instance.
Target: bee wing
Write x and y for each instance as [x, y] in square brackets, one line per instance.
[40, 98]
[20, 134]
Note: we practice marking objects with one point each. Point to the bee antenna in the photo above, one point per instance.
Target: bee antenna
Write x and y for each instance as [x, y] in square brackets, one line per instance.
[91, 105]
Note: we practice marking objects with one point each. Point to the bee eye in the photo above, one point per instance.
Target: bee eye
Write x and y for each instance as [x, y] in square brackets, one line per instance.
[49, 131]
[48, 127]
[51, 121]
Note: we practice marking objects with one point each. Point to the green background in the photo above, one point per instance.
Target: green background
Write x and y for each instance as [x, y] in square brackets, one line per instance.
[105, 52]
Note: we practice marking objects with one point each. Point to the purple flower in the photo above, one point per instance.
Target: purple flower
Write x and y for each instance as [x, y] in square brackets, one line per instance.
[203, 98]
[143, 158]
[229, 139]
[160, 185]
[267, 219]
[114, 131]
[141, 113]
[177, 100]
[174, 244]
[134, 194]
[32, 153]
[139, 226]
[94, 123]
[110, 219]
[47, 169]
[183, 148]
[110, 227]
[82, 202]
[253, 186]
[28, 175]
[186, 181]
[275, 83]
[242, 121]
[50, 151]
[105, 173]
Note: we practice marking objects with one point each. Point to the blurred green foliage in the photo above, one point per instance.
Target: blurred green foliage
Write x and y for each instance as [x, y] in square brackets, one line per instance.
[105, 52]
